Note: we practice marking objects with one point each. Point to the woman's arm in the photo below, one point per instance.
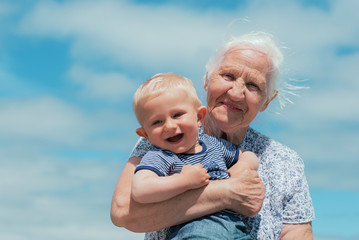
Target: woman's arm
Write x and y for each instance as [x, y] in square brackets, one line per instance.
[243, 194]
[298, 211]
[148, 187]
[297, 231]
[137, 217]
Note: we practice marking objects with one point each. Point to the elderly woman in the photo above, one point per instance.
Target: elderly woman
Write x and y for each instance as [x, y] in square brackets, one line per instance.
[240, 82]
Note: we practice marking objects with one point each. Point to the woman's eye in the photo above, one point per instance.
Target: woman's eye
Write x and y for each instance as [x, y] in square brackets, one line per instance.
[252, 86]
[228, 77]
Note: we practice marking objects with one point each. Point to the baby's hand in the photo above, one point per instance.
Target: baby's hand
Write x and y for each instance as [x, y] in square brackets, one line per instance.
[195, 175]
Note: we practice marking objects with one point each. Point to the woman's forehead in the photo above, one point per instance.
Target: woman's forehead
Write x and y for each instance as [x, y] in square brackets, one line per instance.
[247, 50]
[249, 57]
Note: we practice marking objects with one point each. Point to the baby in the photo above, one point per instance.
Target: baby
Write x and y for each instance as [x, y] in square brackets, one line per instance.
[170, 114]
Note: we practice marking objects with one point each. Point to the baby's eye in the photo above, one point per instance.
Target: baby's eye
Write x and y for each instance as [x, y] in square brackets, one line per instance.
[157, 122]
[178, 114]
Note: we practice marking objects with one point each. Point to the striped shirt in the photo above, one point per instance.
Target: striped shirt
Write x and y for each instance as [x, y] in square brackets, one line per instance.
[217, 156]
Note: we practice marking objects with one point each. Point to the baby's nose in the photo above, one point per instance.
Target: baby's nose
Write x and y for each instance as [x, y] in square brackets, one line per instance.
[170, 125]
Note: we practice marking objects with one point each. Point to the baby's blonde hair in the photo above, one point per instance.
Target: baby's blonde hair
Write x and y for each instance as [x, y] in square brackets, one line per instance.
[157, 85]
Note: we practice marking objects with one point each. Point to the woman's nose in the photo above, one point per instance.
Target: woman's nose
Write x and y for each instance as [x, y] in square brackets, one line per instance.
[237, 90]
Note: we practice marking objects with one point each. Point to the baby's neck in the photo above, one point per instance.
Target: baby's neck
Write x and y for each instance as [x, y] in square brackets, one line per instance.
[196, 148]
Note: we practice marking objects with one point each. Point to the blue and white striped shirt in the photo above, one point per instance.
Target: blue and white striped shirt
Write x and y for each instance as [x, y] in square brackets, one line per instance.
[217, 156]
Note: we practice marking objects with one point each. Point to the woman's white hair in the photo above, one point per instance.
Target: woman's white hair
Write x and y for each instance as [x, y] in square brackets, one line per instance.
[259, 41]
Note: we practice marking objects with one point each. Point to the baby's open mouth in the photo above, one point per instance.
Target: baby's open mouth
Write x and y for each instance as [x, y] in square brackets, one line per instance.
[175, 138]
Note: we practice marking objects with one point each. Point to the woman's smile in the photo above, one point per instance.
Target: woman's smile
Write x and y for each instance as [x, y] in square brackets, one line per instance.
[230, 106]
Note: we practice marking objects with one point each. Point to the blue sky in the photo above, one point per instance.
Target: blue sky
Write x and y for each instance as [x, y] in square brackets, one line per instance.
[68, 70]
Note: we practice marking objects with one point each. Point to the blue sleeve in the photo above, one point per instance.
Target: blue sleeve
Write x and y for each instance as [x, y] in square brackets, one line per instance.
[157, 162]
[230, 152]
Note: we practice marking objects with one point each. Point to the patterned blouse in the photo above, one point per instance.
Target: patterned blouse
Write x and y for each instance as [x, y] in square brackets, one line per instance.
[281, 170]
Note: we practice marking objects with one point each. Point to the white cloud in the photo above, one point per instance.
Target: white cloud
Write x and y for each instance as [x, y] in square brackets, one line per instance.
[63, 199]
[42, 118]
[165, 36]
[169, 37]
[49, 121]
[106, 86]
[133, 35]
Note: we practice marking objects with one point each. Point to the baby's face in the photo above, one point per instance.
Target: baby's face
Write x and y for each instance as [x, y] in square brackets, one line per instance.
[171, 122]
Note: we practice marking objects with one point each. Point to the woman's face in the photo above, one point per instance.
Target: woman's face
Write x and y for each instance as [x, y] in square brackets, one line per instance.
[237, 89]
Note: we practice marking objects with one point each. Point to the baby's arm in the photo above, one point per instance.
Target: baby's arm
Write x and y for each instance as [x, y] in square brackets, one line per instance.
[148, 187]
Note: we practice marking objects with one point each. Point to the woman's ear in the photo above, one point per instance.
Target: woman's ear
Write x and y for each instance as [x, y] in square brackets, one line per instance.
[141, 132]
[201, 114]
[268, 101]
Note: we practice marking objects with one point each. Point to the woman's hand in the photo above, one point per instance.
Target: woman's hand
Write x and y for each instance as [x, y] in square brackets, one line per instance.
[246, 190]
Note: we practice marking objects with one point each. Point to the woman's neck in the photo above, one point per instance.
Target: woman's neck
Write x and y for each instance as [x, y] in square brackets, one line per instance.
[235, 137]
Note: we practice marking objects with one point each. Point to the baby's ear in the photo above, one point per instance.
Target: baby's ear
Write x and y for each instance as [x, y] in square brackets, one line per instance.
[201, 114]
[141, 132]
